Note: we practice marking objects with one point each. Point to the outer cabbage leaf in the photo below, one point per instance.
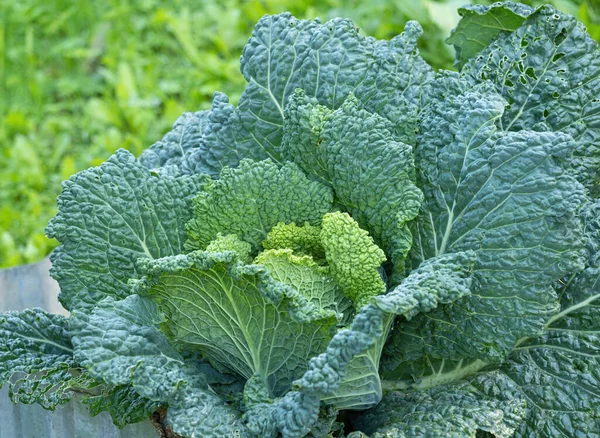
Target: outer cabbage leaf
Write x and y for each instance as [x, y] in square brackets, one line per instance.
[590, 216]
[549, 72]
[249, 200]
[480, 25]
[360, 154]
[456, 411]
[422, 291]
[185, 135]
[237, 316]
[558, 373]
[302, 135]
[219, 144]
[119, 342]
[36, 358]
[123, 403]
[507, 197]
[327, 425]
[329, 61]
[110, 216]
[361, 386]
[440, 280]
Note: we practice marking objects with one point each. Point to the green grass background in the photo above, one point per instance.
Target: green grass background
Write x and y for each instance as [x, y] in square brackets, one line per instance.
[80, 79]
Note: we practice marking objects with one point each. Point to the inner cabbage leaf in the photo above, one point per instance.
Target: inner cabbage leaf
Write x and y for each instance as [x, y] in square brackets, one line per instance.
[238, 316]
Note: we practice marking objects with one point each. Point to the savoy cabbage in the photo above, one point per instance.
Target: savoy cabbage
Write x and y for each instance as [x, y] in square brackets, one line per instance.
[363, 246]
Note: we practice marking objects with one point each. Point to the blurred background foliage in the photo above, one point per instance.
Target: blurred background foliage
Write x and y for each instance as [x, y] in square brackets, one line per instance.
[80, 79]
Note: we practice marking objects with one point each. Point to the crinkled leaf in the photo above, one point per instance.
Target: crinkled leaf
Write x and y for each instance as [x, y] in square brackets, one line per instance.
[440, 280]
[506, 197]
[237, 316]
[480, 24]
[294, 414]
[559, 372]
[123, 403]
[444, 279]
[361, 386]
[303, 135]
[185, 135]
[366, 162]
[231, 242]
[327, 425]
[327, 60]
[353, 258]
[249, 200]
[224, 142]
[304, 240]
[119, 342]
[110, 216]
[36, 358]
[119, 338]
[549, 72]
[590, 216]
[456, 411]
[314, 282]
[255, 391]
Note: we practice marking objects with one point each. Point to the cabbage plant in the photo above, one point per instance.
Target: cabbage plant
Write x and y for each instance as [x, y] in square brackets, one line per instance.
[362, 246]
